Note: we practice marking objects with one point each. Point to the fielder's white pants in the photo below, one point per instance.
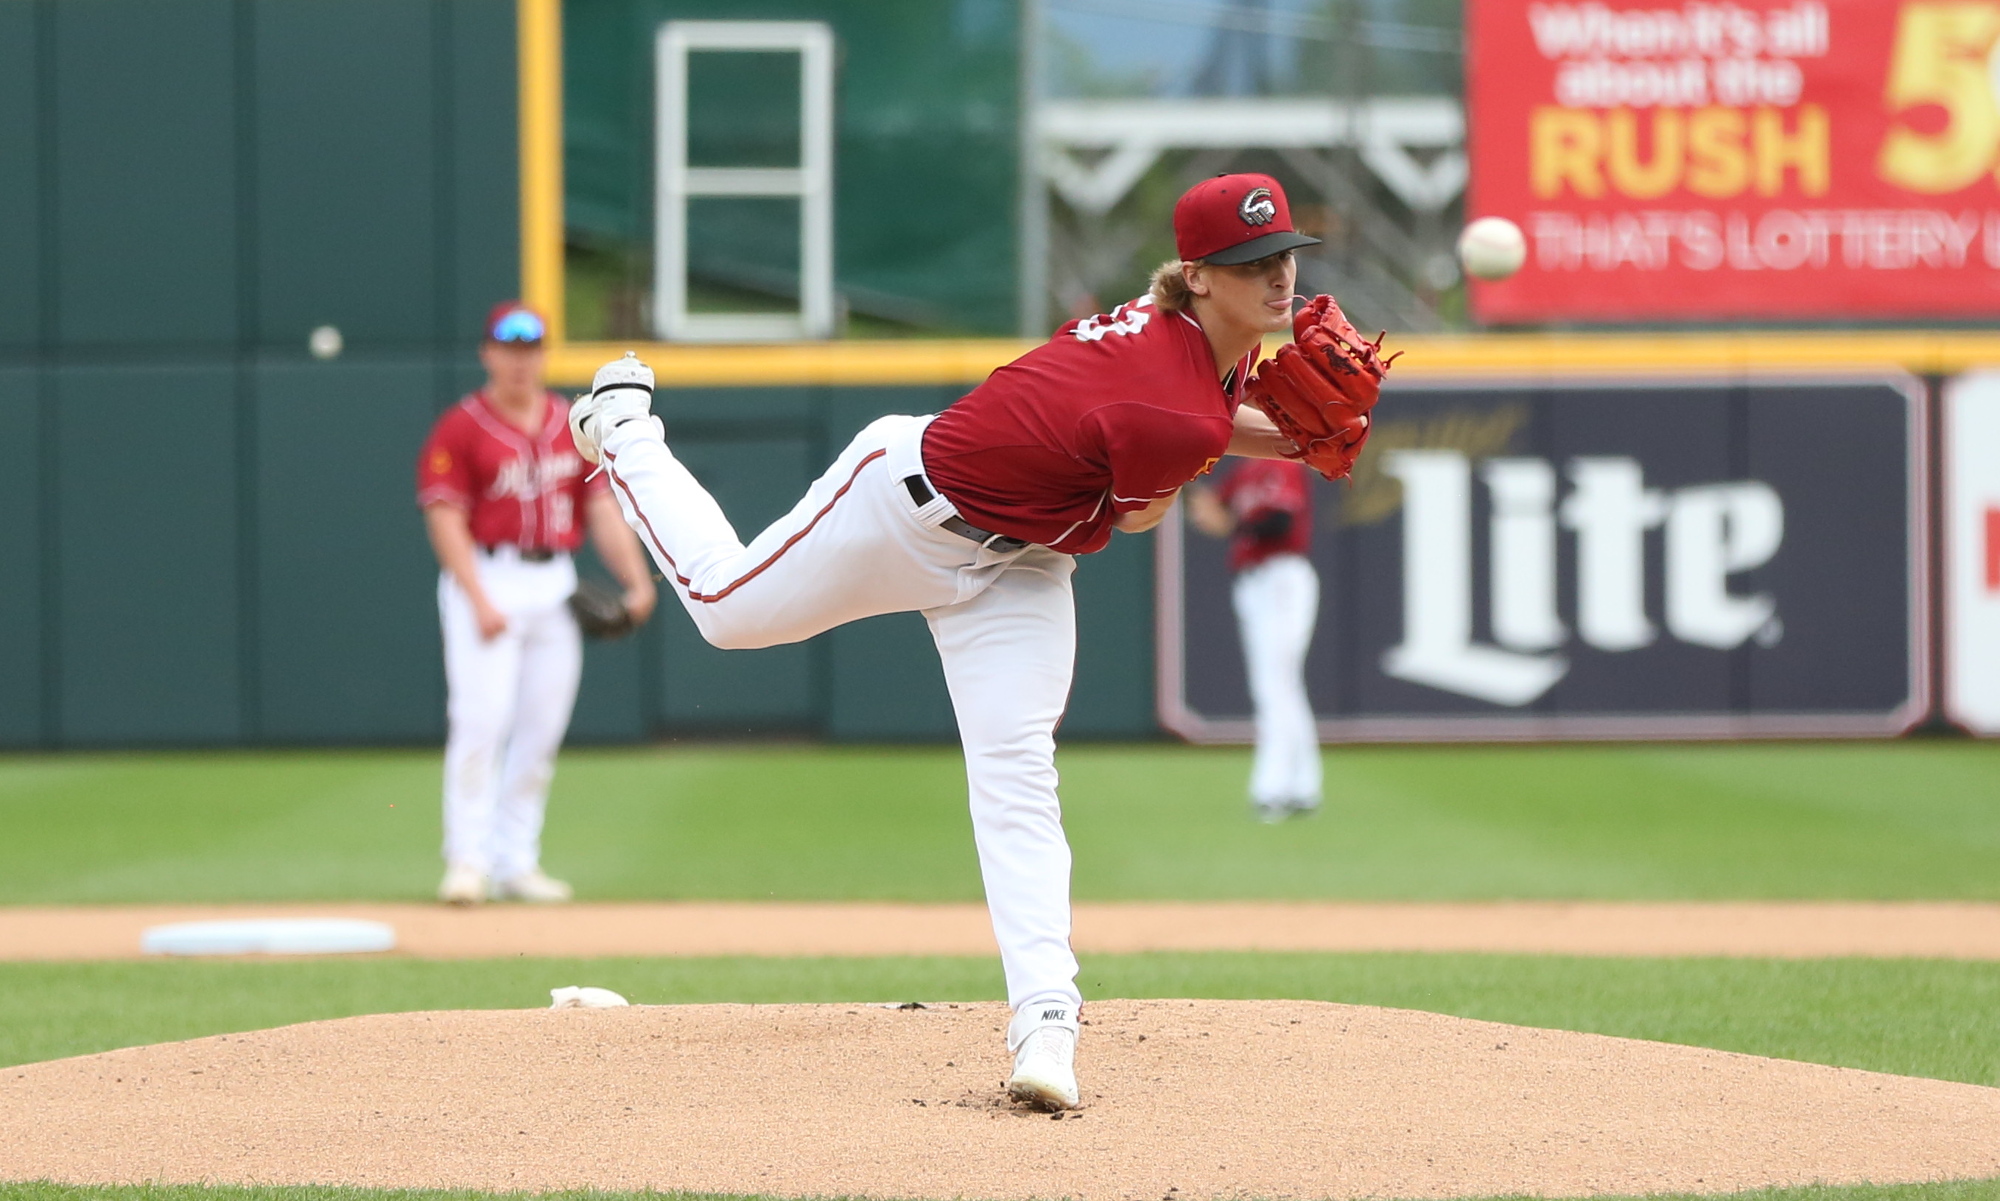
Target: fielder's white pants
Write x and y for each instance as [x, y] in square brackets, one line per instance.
[858, 545]
[507, 706]
[1277, 605]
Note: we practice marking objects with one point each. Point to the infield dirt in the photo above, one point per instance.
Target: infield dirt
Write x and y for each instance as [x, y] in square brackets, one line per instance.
[1779, 929]
[1185, 1100]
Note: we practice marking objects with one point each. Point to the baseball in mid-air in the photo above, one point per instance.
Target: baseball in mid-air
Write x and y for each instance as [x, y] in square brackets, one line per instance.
[325, 342]
[1492, 248]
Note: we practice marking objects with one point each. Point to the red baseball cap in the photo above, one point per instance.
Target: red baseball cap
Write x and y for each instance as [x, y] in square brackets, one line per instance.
[513, 322]
[1235, 219]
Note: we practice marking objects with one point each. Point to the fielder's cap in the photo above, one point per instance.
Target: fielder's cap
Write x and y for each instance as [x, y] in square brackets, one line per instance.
[1235, 219]
[512, 321]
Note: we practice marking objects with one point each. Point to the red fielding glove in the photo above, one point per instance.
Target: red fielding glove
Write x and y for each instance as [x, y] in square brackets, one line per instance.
[1319, 389]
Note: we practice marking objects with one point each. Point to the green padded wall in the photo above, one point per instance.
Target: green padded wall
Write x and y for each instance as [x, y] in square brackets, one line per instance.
[147, 535]
[147, 227]
[346, 588]
[21, 549]
[20, 181]
[1113, 693]
[348, 171]
[215, 540]
[484, 229]
[614, 698]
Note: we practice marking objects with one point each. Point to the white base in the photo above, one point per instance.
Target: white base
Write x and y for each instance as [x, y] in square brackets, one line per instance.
[269, 936]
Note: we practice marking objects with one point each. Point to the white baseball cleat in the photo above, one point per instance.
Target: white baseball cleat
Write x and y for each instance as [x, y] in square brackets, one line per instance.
[462, 885]
[1273, 812]
[1270, 812]
[533, 885]
[1045, 1069]
[622, 392]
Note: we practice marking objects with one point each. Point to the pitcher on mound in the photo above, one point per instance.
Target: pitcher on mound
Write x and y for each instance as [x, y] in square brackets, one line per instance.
[973, 517]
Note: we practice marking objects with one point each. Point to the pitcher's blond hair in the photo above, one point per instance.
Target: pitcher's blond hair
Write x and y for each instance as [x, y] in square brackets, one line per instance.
[1169, 287]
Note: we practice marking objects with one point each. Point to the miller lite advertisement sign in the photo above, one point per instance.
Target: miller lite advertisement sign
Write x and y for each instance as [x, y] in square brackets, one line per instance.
[1745, 158]
[1641, 558]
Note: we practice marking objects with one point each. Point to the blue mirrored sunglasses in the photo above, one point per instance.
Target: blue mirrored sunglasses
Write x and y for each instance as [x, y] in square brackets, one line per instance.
[518, 326]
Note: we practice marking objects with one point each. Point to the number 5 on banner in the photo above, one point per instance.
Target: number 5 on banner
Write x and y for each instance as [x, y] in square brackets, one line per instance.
[1942, 58]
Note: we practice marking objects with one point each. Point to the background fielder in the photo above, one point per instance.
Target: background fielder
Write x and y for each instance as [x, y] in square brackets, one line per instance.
[1264, 508]
[505, 500]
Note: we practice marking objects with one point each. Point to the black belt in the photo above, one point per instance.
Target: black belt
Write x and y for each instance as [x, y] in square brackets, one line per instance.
[540, 554]
[1001, 543]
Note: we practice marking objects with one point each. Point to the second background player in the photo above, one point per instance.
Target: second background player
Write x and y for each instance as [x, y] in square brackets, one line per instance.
[1264, 508]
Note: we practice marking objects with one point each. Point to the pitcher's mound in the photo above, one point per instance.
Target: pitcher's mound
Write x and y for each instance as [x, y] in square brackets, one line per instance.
[1186, 1100]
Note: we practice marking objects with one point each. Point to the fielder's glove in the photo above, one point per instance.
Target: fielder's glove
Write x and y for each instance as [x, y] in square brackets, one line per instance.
[600, 611]
[1320, 387]
[1267, 525]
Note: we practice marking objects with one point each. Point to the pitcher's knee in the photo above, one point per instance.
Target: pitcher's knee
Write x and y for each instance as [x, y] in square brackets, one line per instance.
[726, 629]
[1018, 772]
[1031, 749]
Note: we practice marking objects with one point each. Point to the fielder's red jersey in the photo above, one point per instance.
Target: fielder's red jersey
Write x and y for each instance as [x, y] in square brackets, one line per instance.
[1254, 490]
[519, 489]
[1109, 415]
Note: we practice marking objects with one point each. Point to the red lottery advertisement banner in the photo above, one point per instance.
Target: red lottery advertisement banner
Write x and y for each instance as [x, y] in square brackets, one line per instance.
[1781, 159]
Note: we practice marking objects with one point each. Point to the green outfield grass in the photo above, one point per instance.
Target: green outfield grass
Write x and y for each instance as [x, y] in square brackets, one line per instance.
[1913, 1017]
[1914, 819]
[1963, 1190]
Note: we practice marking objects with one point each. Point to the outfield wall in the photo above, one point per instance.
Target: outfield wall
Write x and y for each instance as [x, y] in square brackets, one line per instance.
[210, 536]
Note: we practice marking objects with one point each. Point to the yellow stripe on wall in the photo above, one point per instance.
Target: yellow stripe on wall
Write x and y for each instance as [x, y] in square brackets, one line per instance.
[539, 45]
[967, 361]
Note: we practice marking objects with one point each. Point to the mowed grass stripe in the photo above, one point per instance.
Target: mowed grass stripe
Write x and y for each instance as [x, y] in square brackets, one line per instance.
[1917, 819]
[1911, 1017]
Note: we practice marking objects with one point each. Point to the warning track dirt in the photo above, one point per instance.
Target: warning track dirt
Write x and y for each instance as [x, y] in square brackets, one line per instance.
[1782, 929]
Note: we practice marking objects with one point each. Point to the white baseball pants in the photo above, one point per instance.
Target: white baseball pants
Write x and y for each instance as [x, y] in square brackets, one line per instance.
[858, 545]
[507, 707]
[1277, 605]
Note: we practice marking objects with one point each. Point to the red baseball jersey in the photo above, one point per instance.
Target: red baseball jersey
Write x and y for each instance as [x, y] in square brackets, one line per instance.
[1109, 415]
[525, 490]
[1254, 490]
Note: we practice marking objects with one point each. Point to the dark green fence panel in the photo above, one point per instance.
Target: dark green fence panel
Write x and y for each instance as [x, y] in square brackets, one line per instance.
[887, 682]
[147, 537]
[347, 640]
[348, 170]
[1113, 695]
[222, 175]
[612, 702]
[20, 180]
[146, 182]
[20, 559]
[484, 164]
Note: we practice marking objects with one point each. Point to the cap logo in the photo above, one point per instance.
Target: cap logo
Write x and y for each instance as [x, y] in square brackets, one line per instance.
[1258, 208]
